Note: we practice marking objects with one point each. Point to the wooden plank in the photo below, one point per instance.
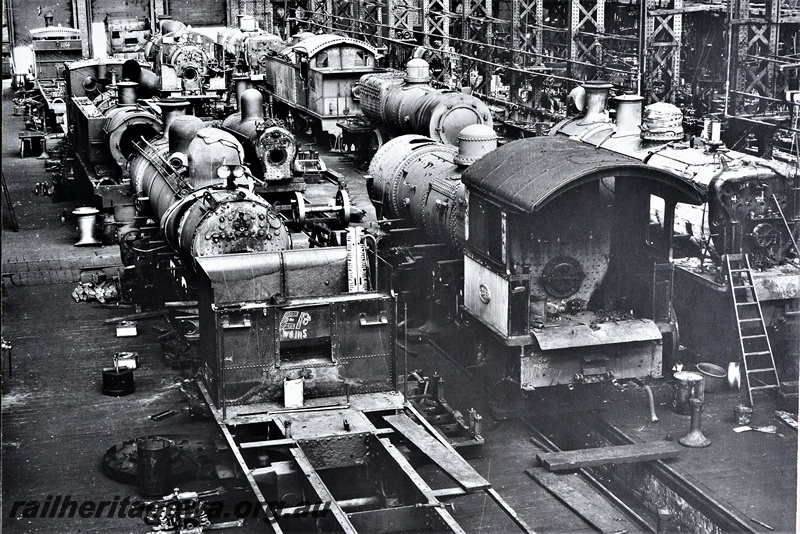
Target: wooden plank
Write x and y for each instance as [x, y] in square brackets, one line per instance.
[618, 454]
[596, 514]
[452, 464]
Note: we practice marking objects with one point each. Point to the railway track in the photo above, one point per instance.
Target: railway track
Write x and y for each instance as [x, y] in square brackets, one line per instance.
[639, 496]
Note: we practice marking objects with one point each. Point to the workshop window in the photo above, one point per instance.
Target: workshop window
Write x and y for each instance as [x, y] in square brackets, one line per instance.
[360, 59]
[487, 229]
[656, 233]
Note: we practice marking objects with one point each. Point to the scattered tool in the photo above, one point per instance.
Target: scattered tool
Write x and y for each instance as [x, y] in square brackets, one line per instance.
[787, 418]
[771, 429]
[163, 415]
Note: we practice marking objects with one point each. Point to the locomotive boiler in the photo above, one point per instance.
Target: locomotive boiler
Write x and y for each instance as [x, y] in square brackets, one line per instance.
[405, 103]
[270, 150]
[194, 188]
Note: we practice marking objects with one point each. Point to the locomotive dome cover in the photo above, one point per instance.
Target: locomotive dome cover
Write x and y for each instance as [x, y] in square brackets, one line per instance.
[528, 173]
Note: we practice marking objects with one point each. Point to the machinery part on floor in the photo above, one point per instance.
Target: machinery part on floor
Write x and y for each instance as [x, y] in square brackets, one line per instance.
[191, 458]
[651, 404]
[154, 466]
[695, 437]
[87, 226]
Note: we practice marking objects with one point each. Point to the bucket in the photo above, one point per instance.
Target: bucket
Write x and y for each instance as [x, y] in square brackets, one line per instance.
[154, 466]
[743, 414]
[714, 376]
[688, 385]
[118, 382]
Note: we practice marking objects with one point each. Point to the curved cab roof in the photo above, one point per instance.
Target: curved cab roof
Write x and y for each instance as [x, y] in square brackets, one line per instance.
[529, 173]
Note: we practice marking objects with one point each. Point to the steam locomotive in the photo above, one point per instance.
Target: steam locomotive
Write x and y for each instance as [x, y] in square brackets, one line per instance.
[297, 347]
[753, 208]
[333, 85]
[185, 64]
[554, 258]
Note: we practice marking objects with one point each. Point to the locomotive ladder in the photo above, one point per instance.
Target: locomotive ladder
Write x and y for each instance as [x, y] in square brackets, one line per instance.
[759, 363]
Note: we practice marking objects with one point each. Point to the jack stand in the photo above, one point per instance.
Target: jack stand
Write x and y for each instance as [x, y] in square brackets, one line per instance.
[695, 437]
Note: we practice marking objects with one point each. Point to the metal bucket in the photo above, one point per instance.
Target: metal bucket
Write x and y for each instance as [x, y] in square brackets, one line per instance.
[714, 376]
[154, 466]
[118, 382]
[688, 385]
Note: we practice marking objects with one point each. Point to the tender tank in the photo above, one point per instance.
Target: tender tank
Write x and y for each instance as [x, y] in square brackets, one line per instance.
[406, 103]
[418, 179]
[269, 149]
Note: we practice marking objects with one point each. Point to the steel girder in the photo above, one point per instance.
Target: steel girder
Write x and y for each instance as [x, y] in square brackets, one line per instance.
[370, 18]
[403, 15]
[343, 16]
[320, 16]
[477, 34]
[586, 22]
[754, 39]
[436, 29]
[661, 68]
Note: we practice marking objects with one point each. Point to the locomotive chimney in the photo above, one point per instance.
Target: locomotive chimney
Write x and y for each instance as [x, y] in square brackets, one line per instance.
[171, 109]
[629, 114]
[418, 71]
[102, 69]
[251, 104]
[126, 93]
[596, 99]
[48, 20]
[474, 141]
[182, 131]
[242, 84]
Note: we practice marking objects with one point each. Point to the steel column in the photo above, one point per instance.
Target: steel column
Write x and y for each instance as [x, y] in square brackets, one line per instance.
[477, 33]
[661, 68]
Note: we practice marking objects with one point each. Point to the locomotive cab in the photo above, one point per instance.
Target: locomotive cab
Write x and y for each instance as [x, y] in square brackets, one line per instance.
[562, 265]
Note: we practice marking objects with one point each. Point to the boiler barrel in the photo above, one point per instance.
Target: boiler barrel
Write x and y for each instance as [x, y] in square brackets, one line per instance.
[416, 179]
